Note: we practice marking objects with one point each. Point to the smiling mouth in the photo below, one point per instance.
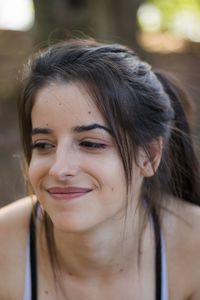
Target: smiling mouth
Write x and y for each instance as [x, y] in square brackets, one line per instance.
[68, 193]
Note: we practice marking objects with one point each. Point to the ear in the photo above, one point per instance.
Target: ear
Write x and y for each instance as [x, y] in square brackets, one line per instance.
[148, 158]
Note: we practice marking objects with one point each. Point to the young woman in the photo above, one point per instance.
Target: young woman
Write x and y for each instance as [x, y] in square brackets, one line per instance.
[115, 207]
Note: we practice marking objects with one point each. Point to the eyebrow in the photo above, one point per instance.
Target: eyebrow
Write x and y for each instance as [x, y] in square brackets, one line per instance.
[92, 127]
[39, 130]
[79, 129]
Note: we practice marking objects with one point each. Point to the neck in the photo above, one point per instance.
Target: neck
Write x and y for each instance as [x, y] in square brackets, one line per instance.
[108, 249]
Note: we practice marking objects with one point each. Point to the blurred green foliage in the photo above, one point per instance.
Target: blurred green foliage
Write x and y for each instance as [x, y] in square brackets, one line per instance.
[169, 8]
[181, 17]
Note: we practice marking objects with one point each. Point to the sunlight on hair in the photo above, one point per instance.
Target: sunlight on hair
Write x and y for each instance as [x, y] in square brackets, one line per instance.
[16, 15]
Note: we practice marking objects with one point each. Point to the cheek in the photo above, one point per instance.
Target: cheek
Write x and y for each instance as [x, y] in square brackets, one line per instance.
[114, 177]
[37, 169]
[33, 174]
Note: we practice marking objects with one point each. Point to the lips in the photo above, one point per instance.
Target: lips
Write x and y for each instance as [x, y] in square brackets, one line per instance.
[67, 193]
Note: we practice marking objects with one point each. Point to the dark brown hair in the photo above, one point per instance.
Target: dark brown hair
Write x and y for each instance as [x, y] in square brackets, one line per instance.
[138, 105]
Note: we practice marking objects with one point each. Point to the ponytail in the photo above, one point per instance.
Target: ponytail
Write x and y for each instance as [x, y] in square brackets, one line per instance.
[184, 179]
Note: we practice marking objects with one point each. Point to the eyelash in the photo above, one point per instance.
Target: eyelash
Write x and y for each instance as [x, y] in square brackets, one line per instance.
[43, 146]
[93, 145]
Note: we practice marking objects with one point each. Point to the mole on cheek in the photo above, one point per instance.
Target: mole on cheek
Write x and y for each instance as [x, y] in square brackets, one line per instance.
[89, 112]
[112, 189]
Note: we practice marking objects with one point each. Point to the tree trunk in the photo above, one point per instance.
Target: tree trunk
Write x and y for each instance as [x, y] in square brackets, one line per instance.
[106, 20]
[116, 20]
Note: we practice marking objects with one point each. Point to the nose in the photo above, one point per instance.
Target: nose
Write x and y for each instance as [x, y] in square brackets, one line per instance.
[65, 163]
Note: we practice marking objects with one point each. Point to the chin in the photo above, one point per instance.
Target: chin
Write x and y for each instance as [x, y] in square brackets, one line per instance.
[75, 224]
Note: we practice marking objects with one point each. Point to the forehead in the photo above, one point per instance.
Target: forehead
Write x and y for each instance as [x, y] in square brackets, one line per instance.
[69, 102]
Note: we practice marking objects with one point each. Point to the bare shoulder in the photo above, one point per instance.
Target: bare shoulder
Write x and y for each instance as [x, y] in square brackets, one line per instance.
[17, 211]
[14, 223]
[14, 218]
[182, 231]
[186, 219]
[191, 213]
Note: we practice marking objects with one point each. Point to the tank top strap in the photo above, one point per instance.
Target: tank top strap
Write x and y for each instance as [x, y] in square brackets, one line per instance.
[161, 284]
[30, 289]
[33, 252]
[27, 287]
[164, 274]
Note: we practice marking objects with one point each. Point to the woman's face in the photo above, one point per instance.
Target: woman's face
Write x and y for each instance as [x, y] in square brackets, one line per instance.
[75, 169]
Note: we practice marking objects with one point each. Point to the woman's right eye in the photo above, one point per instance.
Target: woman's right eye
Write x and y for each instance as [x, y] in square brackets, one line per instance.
[42, 146]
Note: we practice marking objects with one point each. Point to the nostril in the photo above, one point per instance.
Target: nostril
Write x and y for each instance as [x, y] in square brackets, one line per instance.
[61, 176]
[62, 172]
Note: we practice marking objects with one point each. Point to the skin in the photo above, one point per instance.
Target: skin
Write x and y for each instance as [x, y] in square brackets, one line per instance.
[96, 234]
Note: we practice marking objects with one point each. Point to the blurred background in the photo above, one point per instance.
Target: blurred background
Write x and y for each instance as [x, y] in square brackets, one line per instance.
[166, 33]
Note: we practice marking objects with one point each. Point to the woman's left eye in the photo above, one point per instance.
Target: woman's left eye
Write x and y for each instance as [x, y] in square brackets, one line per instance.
[92, 145]
[42, 146]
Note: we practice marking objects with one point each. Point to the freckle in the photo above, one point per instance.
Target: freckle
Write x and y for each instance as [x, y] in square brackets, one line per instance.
[47, 124]
[46, 292]
[89, 112]
[112, 189]
[70, 273]
[121, 270]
